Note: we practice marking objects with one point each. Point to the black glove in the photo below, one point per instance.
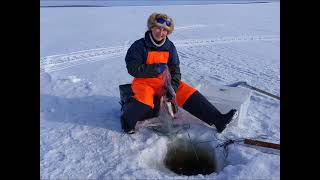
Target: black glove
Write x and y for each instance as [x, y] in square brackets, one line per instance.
[160, 68]
[170, 94]
[171, 97]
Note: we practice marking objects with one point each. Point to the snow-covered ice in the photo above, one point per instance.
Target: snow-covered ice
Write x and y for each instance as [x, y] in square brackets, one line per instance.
[82, 64]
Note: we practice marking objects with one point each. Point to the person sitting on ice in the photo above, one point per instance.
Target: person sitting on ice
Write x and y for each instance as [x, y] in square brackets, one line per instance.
[146, 60]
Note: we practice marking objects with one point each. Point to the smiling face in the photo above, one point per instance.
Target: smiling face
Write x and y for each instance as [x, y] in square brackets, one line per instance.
[159, 33]
[157, 20]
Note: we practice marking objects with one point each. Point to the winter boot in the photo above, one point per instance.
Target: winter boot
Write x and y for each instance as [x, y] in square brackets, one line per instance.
[222, 122]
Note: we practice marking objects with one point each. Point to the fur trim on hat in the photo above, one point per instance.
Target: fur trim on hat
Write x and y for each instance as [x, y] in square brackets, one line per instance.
[152, 22]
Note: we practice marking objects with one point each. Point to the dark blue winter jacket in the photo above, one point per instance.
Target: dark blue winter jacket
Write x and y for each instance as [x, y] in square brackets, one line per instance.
[137, 55]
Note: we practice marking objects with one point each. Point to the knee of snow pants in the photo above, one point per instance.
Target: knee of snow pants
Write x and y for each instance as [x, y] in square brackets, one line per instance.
[183, 93]
[145, 89]
[133, 112]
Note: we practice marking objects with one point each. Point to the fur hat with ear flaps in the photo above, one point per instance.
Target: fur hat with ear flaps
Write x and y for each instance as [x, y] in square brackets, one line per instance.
[152, 22]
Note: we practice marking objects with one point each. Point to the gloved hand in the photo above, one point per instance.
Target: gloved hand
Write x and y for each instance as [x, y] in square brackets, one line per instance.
[169, 96]
[173, 103]
[160, 67]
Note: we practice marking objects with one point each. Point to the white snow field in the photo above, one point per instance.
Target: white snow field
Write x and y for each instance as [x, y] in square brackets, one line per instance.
[82, 64]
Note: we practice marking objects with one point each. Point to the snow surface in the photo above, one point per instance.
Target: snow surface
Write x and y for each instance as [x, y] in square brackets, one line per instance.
[104, 3]
[82, 64]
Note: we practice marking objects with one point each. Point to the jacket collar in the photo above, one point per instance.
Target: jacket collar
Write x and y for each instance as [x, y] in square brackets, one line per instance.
[149, 43]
